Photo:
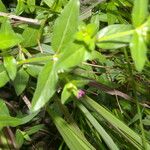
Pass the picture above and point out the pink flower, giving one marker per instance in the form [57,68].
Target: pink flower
[80,94]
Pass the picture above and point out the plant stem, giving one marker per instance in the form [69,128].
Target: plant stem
[24,19]
[136,100]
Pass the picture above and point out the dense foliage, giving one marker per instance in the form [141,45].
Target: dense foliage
[74,74]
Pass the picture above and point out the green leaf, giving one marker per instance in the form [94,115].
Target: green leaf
[31,36]
[65,95]
[108,140]
[111,10]
[31,5]
[49,3]
[34,129]
[65,26]
[20,7]
[46,86]
[114,36]
[21,81]
[86,34]
[97,55]
[138,50]
[4,140]
[8,38]
[3,76]
[129,134]
[95,19]
[34,70]
[13,121]
[19,138]
[68,89]
[2,7]
[72,56]
[139,12]
[146,121]
[11,66]
[69,133]
[3,109]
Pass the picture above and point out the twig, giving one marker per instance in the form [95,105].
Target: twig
[97,66]
[26,101]
[40,47]
[10,105]
[12,137]
[24,19]
[118,103]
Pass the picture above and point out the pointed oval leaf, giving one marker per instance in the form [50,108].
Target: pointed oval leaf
[2,7]
[49,3]
[11,66]
[34,129]
[34,70]
[3,108]
[21,81]
[114,36]
[8,38]
[72,56]
[20,7]
[67,92]
[139,12]
[66,25]
[31,36]
[138,50]
[65,95]
[31,5]
[3,76]
[46,86]
[19,138]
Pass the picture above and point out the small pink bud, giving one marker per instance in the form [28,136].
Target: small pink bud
[80,94]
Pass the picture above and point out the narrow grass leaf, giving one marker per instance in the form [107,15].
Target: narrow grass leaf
[107,139]
[72,139]
[135,139]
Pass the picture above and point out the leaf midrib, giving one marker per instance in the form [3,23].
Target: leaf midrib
[65,31]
